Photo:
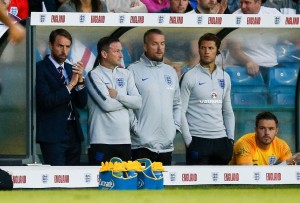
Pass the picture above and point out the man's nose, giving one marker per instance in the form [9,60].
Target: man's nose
[64,50]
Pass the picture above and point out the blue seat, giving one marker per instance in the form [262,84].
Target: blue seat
[249,99]
[282,85]
[287,52]
[241,81]
[286,76]
[291,65]
[282,99]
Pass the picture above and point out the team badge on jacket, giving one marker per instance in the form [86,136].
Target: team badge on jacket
[221,83]
[120,82]
[168,80]
[214,95]
[272,160]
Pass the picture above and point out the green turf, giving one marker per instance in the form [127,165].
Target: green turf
[211,194]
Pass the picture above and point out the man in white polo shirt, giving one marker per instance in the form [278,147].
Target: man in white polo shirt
[254,7]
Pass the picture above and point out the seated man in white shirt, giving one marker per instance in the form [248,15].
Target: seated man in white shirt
[251,50]
[254,7]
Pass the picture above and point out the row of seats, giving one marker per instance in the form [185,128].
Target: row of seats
[277,86]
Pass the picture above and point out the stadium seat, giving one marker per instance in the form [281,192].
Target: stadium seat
[282,85]
[282,99]
[248,99]
[283,76]
[287,52]
[291,65]
[241,81]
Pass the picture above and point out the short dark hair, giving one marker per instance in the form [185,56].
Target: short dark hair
[104,43]
[210,37]
[96,5]
[150,32]
[61,32]
[266,115]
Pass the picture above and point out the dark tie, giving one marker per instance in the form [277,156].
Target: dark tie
[61,75]
[63,79]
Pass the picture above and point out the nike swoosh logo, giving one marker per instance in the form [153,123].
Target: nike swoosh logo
[201,83]
[143,79]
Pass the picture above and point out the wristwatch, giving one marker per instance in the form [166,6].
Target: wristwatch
[82,82]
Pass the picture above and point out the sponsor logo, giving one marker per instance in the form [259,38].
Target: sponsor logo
[97,19]
[215,20]
[213,95]
[61,178]
[108,184]
[143,79]
[121,19]
[87,177]
[120,82]
[201,83]
[221,83]
[137,19]
[45,178]
[210,101]
[82,18]
[172,177]
[215,176]
[231,177]
[168,80]
[273,176]
[238,20]
[277,20]
[298,175]
[140,183]
[199,20]
[42,18]
[161,19]
[176,20]
[189,177]
[257,176]
[253,20]
[292,20]
[58,18]
[19,179]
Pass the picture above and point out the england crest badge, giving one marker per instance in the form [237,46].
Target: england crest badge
[120,82]
[168,80]
[221,83]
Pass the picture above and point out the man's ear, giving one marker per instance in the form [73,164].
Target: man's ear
[277,129]
[103,54]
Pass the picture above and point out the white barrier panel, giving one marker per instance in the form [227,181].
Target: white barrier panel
[88,176]
[164,20]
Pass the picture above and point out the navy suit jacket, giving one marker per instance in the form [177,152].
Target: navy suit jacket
[52,100]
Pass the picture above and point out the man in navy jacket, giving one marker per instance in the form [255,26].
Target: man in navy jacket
[60,90]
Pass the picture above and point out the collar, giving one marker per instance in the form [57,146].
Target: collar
[206,70]
[107,70]
[55,63]
[150,63]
